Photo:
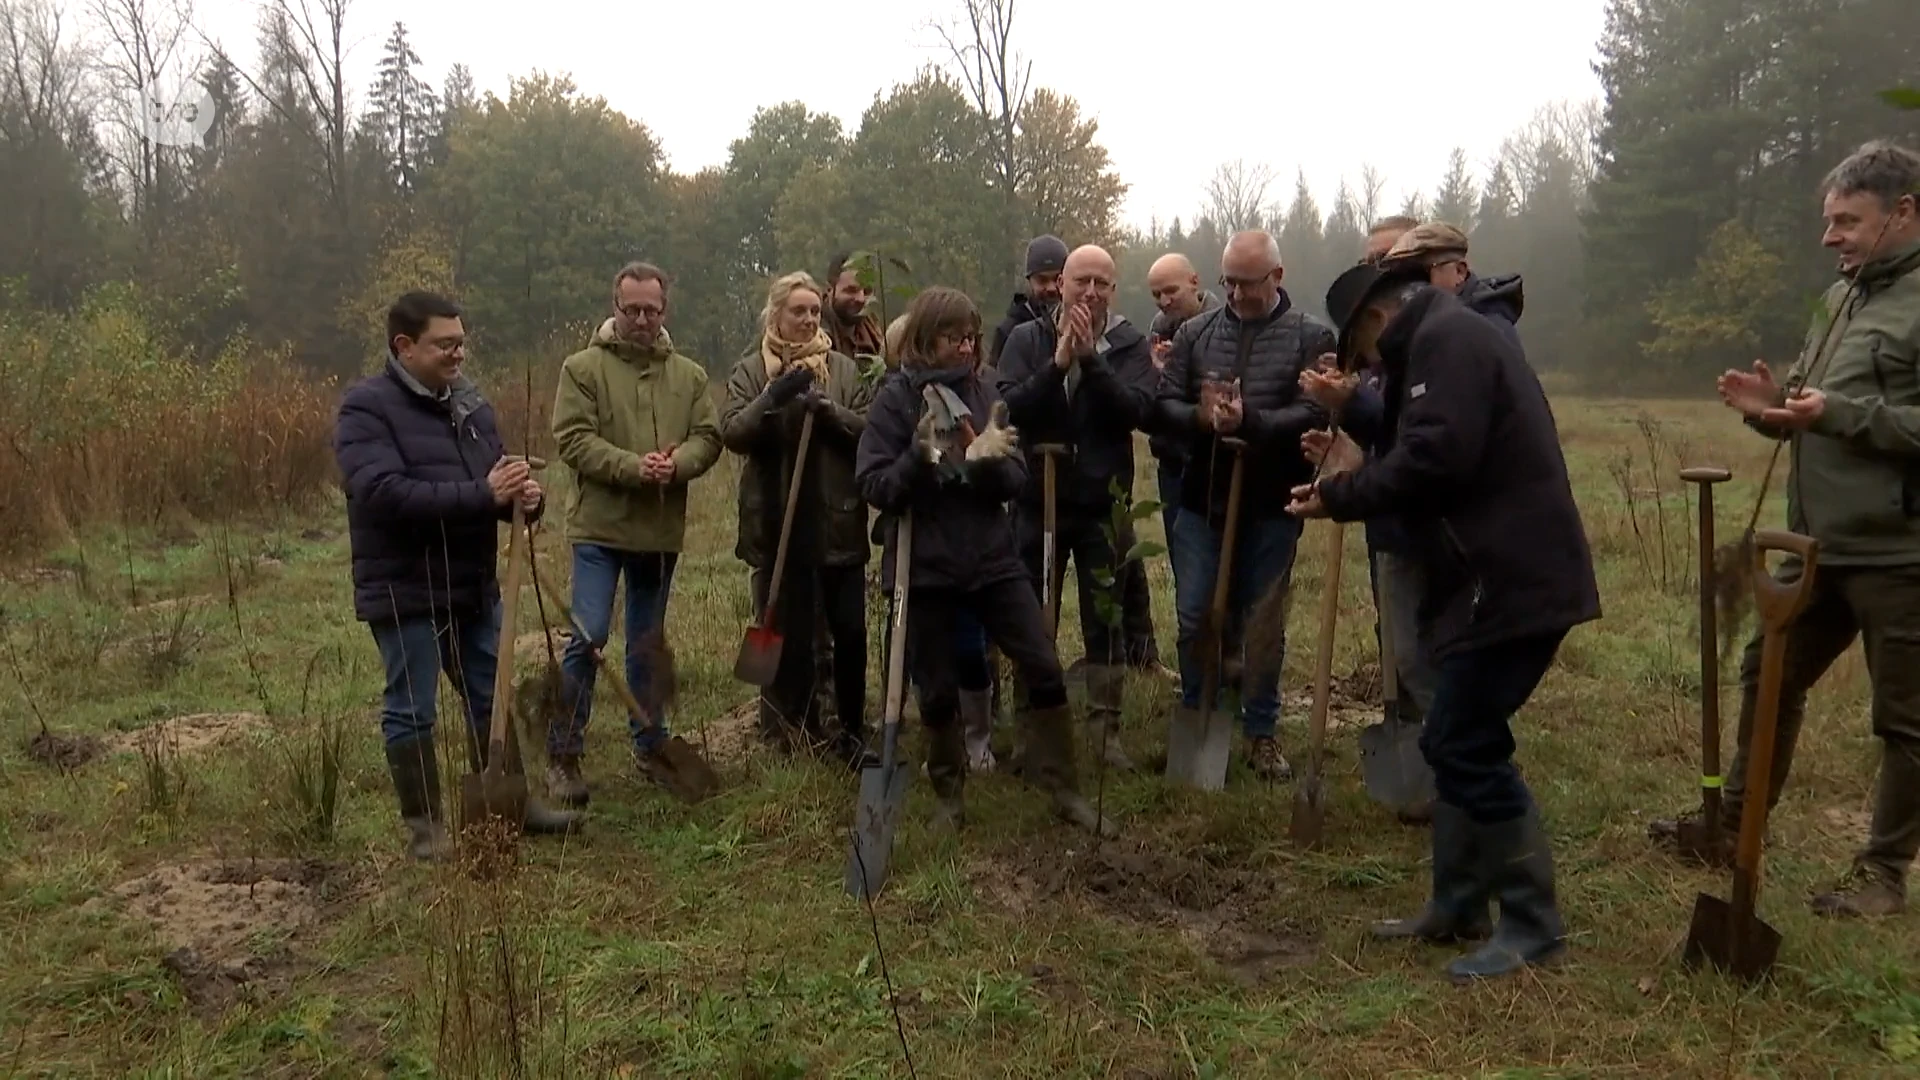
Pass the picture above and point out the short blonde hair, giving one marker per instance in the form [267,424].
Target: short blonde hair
[783,287]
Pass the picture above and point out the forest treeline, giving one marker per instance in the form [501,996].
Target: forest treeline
[1665,231]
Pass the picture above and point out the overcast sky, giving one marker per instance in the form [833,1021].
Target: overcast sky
[1176,87]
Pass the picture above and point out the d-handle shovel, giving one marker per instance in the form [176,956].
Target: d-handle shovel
[493,792]
[759,659]
[1310,798]
[883,783]
[1704,839]
[673,760]
[1727,934]
[1200,741]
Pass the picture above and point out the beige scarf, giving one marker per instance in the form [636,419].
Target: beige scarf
[777,353]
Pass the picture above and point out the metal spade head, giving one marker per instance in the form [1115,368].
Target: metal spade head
[1745,949]
[1309,811]
[1199,746]
[1395,771]
[883,799]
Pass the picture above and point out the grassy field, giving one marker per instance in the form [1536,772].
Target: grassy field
[203,875]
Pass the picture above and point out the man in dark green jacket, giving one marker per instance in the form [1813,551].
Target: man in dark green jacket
[1853,433]
[635,422]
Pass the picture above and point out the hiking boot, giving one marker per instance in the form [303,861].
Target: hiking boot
[1105,687]
[1266,760]
[416,784]
[1420,813]
[1513,860]
[976,722]
[1458,908]
[565,785]
[947,769]
[1665,832]
[540,819]
[1865,893]
[1049,765]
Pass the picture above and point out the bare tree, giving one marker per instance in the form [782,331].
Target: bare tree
[42,97]
[998,80]
[322,72]
[1373,187]
[145,42]
[1237,196]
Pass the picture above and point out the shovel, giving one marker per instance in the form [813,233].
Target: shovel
[1704,839]
[1310,798]
[883,783]
[1395,771]
[494,791]
[1200,740]
[1050,538]
[759,659]
[1727,934]
[673,761]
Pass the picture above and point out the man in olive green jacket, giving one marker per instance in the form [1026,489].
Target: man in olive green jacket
[634,421]
[1853,434]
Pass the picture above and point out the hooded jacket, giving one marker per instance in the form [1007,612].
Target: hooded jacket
[1474,468]
[1168,448]
[830,520]
[1020,310]
[1855,478]
[617,402]
[421,518]
[1112,393]
[1498,298]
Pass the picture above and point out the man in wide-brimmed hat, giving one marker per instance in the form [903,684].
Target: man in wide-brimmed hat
[1474,468]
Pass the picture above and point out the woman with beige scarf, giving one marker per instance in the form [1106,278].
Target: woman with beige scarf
[790,372]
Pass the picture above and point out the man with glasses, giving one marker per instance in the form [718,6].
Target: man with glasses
[1234,372]
[635,422]
[1082,379]
[1440,250]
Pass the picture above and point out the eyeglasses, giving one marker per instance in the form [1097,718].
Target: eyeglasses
[642,312]
[1230,282]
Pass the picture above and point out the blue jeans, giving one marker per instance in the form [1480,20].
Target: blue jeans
[1169,475]
[1468,735]
[415,651]
[596,574]
[1266,546]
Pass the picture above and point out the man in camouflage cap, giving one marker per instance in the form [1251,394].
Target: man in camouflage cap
[1441,250]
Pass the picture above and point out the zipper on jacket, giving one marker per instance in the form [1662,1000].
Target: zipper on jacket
[1473,575]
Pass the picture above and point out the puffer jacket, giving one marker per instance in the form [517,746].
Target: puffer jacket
[1269,354]
[1168,448]
[830,519]
[421,518]
[962,533]
[1112,396]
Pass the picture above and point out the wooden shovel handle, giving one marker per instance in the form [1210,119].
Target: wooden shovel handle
[786,521]
[1323,653]
[1779,604]
[1706,477]
[897,641]
[611,670]
[1222,578]
[503,665]
[1050,532]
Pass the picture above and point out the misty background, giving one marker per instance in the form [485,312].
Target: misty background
[1655,180]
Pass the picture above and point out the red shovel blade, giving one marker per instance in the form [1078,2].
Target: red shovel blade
[759,658]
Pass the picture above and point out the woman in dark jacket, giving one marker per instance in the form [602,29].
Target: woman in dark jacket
[792,373]
[921,452]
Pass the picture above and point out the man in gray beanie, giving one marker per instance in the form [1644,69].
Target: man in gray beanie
[1046,258]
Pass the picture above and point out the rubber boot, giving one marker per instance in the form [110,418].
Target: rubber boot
[416,782]
[976,718]
[541,819]
[1050,766]
[1516,863]
[1458,908]
[1105,692]
[947,770]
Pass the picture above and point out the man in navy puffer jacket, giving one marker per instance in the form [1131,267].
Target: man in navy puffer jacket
[427,484]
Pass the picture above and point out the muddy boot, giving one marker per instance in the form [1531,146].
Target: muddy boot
[1266,760]
[1050,768]
[416,782]
[1105,687]
[1458,909]
[976,719]
[1865,893]
[1665,832]
[1514,860]
[947,770]
[565,785]
[541,819]
[1876,887]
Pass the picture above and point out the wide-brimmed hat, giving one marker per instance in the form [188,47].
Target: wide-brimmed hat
[1352,291]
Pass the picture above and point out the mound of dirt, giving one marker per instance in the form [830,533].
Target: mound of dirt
[1219,910]
[226,922]
[188,734]
[731,738]
[63,752]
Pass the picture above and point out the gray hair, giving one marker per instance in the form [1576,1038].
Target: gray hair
[1269,247]
[1881,168]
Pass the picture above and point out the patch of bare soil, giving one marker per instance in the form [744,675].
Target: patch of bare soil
[42,575]
[188,734]
[64,752]
[1851,824]
[730,738]
[1223,911]
[228,924]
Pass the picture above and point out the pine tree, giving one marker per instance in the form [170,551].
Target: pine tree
[403,112]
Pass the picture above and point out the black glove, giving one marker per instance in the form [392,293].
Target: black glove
[789,384]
